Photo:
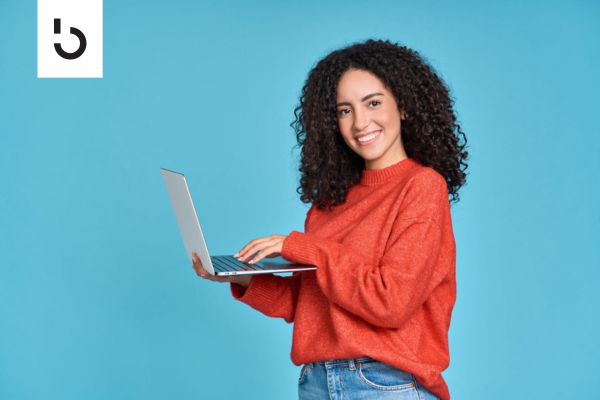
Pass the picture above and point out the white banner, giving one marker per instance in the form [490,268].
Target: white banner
[69,38]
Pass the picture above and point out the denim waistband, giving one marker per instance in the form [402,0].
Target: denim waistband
[351,362]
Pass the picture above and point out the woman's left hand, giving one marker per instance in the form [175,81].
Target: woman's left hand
[269,247]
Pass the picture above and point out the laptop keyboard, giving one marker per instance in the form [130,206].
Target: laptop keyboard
[230,263]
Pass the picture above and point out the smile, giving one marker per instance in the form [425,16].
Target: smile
[365,140]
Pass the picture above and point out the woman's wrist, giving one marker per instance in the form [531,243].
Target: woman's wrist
[245,283]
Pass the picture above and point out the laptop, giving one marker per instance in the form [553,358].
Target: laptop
[193,239]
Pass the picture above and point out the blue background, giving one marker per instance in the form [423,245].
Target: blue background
[97,297]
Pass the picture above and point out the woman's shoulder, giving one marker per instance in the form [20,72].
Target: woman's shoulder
[423,194]
[426,180]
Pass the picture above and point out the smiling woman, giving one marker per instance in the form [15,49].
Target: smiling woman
[380,156]
[339,101]
[370,125]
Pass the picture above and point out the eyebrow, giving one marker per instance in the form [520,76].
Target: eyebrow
[367,97]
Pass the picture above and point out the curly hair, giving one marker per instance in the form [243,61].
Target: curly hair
[430,133]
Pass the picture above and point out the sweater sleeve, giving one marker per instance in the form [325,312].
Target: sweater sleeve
[386,293]
[273,295]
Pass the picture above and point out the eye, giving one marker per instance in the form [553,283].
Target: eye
[341,112]
[375,101]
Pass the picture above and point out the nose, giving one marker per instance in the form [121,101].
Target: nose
[361,120]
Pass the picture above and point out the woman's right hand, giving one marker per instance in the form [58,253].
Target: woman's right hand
[242,280]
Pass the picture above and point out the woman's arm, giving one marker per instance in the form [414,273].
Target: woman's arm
[418,257]
[273,295]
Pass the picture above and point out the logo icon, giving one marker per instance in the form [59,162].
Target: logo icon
[74,31]
[69,37]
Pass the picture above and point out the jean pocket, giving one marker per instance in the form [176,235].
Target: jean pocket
[382,376]
[303,372]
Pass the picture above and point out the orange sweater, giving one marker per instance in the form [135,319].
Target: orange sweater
[385,285]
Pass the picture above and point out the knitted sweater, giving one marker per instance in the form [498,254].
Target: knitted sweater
[385,284]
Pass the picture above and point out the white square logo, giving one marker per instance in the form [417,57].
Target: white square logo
[69,38]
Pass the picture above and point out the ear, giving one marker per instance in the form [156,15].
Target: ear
[402,115]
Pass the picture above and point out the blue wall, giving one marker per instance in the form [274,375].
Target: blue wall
[97,297]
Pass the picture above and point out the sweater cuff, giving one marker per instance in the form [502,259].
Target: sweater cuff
[300,248]
[261,293]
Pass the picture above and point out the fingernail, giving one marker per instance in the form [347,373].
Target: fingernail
[251,262]
[236,254]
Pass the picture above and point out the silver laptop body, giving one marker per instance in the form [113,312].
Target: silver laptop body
[193,239]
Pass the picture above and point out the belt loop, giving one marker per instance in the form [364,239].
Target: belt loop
[351,362]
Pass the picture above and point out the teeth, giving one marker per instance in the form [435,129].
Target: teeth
[369,137]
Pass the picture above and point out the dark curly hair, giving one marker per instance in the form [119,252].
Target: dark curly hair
[430,133]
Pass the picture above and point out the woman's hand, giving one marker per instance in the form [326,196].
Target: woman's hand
[269,247]
[243,280]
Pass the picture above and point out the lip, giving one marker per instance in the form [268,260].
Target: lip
[369,141]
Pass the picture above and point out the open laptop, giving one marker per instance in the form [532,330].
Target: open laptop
[193,239]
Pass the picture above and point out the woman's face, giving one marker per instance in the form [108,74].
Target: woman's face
[366,109]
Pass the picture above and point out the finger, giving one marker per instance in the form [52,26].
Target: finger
[196,260]
[251,254]
[197,266]
[206,275]
[246,248]
[216,278]
[254,250]
[200,271]
[275,246]
[263,254]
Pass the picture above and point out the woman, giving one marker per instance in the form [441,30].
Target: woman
[380,155]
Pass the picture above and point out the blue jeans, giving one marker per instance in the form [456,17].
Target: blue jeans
[358,378]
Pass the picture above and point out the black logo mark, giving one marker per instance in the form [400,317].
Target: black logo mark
[76,32]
